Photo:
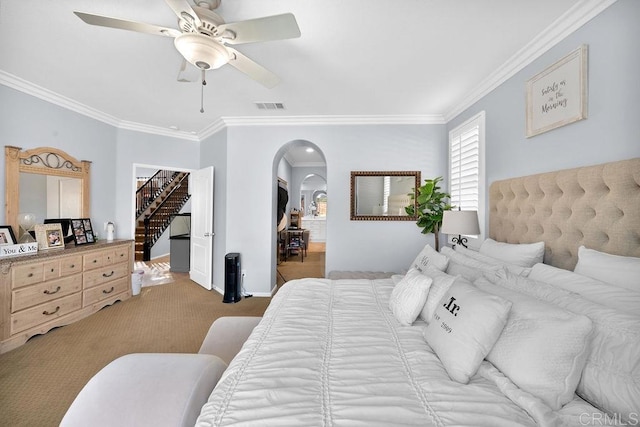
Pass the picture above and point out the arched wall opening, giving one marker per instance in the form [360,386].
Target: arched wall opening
[291,169]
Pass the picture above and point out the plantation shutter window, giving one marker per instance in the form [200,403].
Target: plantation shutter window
[466,168]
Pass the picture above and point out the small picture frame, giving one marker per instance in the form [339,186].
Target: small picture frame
[82,231]
[6,235]
[49,236]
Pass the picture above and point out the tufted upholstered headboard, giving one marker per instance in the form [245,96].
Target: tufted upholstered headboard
[595,206]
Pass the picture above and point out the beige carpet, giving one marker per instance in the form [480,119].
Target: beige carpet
[39,380]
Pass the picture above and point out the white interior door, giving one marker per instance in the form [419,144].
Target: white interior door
[201,268]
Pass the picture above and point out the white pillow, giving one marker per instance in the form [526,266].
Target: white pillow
[516,269]
[522,254]
[408,296]
[611,377]
[441,284]
[543,348]
[465,327]
[429,257]
[594,290]
[623,271]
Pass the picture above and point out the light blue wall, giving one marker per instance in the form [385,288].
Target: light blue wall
[359,245]
[29,122]
[611,131]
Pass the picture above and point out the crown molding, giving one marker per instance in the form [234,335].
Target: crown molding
[335,120]
[156,130]
[47,95]
[51,97]
[567,23]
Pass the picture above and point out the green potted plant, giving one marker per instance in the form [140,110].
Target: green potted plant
[431,205]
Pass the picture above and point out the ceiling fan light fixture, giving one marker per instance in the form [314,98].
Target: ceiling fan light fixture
[202,51]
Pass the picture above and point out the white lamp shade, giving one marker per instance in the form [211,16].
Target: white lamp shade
[202,51]
[461,223]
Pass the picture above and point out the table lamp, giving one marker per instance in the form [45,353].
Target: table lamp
[460,223]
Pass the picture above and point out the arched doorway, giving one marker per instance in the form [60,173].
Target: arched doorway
[300,167]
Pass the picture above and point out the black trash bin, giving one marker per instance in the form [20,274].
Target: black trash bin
[232,278]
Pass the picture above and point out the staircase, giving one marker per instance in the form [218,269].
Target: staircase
[157,200]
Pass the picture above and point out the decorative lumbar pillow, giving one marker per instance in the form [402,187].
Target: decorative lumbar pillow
[467,267]
[429,257]
[543,348]
[611,376]
[618,270]
[522,254]
[592,289]
[486,259]
[465,327]
[441,284]
[408,296]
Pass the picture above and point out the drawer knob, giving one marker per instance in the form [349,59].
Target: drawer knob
[73,266]
[30,275]
[95,260]
[52,270]
[109,291]
[49,313]
[48,292]
[108,275]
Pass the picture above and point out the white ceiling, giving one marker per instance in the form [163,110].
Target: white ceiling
[403,61]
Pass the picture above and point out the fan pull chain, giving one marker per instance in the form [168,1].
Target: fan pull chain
[204,83]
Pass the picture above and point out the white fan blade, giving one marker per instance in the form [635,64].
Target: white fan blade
[188,73]
[277,27]
[140,27]
[184,11]
[252,69]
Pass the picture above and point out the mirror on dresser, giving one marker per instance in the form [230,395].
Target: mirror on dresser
[383,195]
[47,182]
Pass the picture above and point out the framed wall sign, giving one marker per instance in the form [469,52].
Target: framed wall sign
[82,231]
[557,96]
[49,236]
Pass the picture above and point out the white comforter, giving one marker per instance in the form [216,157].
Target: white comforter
[330,353]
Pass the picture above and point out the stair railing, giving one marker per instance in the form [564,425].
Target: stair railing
[158,220]
[152,188]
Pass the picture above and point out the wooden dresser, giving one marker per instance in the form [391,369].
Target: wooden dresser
[56,287]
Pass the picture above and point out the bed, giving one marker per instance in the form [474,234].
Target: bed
[488,338]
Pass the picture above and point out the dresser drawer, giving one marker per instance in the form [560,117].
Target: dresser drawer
[93,260]
[105,290]
[71,265]
[51,269]
[29,274]
[40,314]
[105,274]
[118,255]
[44,292]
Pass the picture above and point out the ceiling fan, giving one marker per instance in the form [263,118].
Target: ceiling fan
[203,37]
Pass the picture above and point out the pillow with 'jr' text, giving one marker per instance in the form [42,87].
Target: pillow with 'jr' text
[465,327]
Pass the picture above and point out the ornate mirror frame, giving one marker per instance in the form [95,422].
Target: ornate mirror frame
[43,161]
[415,176]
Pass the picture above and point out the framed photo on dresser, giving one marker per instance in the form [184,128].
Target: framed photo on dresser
[6,235]
[49,236]
[82,231]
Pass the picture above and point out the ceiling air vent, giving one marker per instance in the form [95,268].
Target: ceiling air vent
[270,105]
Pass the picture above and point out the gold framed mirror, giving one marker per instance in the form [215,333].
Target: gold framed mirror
[383,195]
[46,163]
